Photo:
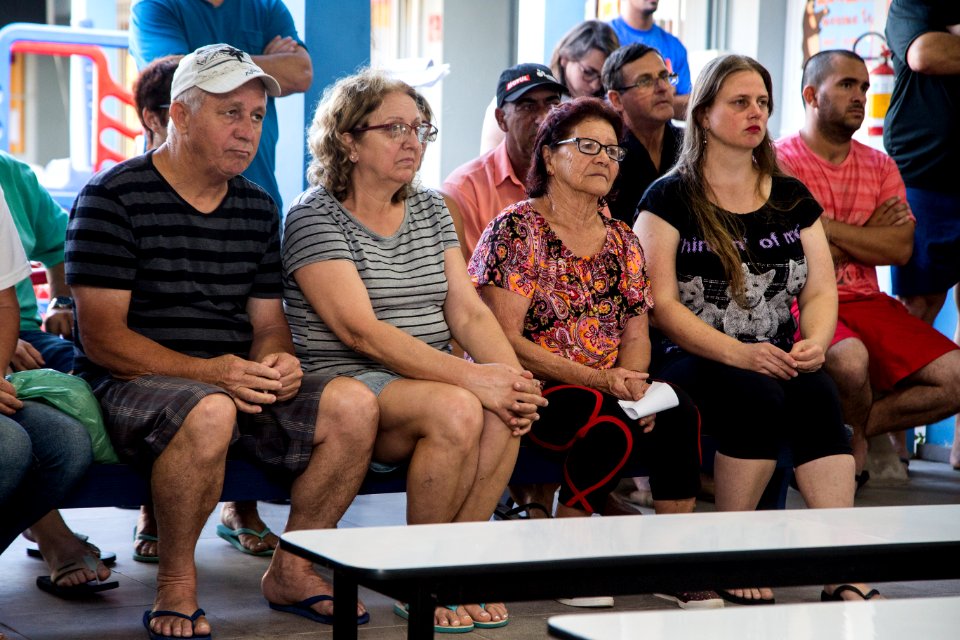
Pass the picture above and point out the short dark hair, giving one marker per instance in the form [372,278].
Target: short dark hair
[151,89]
[556,126]
[612,73]
[819,66]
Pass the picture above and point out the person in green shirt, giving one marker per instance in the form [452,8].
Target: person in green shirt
[41,224]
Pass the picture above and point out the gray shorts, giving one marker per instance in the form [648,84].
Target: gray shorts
[144,414]
[376,381]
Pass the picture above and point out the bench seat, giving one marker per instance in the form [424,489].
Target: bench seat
[112,485]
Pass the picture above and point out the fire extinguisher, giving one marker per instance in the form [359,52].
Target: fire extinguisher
[881,86]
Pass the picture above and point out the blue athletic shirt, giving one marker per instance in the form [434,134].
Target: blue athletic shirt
[165,27]
[669,46]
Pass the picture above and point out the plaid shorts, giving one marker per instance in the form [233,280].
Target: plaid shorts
[144,414]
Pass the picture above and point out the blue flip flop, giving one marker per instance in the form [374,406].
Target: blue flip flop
[149,538]
[150,615]
[403,610]
[303,608]
[233,537]
[490,625]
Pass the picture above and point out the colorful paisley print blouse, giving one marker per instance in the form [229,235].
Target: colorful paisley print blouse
[578,306]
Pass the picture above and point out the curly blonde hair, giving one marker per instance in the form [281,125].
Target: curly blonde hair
[345,106]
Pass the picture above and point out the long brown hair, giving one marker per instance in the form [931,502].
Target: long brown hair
[721,232]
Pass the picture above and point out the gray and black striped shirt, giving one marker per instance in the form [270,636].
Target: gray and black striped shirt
[189,274]
[403,274]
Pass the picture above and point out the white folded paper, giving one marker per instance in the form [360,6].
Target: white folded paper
[659,397]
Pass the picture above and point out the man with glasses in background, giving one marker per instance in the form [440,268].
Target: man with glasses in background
[635,24]
[641,89]
[481,188]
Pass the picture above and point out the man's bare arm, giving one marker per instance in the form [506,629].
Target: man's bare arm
[887,238]
[936,53]
[126,354]
[289,63]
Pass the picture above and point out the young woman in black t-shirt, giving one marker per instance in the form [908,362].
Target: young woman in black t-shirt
[730,242]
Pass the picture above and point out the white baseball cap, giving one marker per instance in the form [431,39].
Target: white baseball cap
[219,68]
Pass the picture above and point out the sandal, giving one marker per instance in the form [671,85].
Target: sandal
[403,610]
[519,512]
[51,584]
[233,537]
[137,536]
[150,615]
[836,597]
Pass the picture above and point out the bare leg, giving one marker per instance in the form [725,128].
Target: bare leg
[59,546]
[825,483]
[955,449]
[847,362]
[146,525]
[929,395]
[343,441]
[186,483]
[739,484]
[925,307]
[498,456]
[437,427]
[538,493]
[675,506]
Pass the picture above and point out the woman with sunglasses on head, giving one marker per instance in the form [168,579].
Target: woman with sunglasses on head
[569,287]
[376,287]
[731,242]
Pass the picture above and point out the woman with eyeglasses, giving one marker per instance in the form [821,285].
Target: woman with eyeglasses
[731,242]
[578,57]
[577,61]
[569,287]
[376,287]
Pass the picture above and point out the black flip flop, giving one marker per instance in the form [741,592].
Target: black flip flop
[836,597]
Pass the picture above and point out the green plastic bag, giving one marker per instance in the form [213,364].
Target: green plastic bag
[71,395]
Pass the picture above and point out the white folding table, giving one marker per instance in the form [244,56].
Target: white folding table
[569,557]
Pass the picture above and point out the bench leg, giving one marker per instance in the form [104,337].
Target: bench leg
[345,611]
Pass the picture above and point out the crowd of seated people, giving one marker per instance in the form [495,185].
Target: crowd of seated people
[319,343]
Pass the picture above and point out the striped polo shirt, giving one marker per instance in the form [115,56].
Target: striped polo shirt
[403,274]
[190,274]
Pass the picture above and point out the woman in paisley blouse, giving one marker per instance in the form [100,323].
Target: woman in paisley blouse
[570,289]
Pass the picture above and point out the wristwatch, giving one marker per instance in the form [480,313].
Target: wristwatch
[61,302]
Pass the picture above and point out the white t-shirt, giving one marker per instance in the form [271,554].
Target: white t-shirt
[14,266]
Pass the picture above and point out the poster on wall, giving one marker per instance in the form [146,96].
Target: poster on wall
[836,24]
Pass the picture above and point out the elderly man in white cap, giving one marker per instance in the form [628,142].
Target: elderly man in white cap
[175,267]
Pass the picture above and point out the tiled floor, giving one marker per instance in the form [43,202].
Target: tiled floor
[229,581]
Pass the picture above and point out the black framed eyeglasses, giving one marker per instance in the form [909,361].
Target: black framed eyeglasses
[591,147]
[424,131]
[589,73]
[647,82]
